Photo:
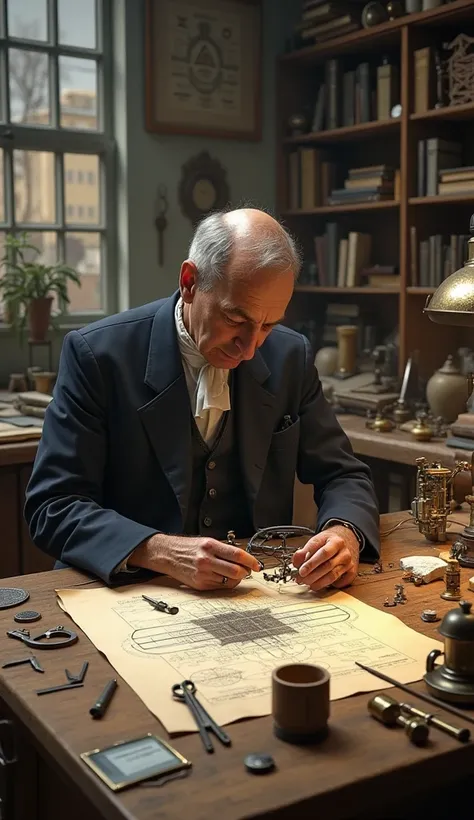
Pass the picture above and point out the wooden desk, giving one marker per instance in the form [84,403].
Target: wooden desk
[396,452]
[363,769]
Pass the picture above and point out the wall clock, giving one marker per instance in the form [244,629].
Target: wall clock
[203,187]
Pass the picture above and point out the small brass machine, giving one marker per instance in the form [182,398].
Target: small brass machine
[434,499]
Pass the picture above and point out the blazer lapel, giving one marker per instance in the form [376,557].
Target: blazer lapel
[166,417]
[254,421]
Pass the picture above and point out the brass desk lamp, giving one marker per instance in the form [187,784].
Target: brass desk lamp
[452,303]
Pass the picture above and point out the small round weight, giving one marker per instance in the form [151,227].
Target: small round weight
[27,616]
[259,763]
[12,596]
[429,615]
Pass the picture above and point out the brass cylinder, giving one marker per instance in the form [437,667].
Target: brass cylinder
[347,348]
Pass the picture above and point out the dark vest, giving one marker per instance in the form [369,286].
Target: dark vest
[217,501]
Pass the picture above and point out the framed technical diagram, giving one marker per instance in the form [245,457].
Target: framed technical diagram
[203,68]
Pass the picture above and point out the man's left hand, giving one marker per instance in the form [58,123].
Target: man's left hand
[329,558]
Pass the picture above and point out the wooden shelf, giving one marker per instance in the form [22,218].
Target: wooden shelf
[415,291]
[442,200]
[393,143]
[364,130]
[359,290]
[349,208]
[449,112]
[386,33]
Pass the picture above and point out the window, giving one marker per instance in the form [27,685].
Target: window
[56,146]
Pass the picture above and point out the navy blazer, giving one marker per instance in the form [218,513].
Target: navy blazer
[114,462]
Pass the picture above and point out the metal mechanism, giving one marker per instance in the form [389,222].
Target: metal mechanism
[421,695]
[68,637]
[186,693]
[282,552]
[430,616]
[398,598]
[452,580]
[388,711]
[461,734]
[463,547]
[434,498]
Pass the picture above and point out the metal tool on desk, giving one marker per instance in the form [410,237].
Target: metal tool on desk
[427,698]
[73,681]
[161,606]
[186,693]
[69,637]
[31,660]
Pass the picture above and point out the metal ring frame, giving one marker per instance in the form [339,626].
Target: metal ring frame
[281,552]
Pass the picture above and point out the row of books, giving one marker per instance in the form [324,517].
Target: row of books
[361,94]
[435,257]
[441,170]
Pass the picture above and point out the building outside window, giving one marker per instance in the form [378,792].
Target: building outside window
[56,140]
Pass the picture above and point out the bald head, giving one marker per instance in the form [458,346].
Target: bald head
[241,243]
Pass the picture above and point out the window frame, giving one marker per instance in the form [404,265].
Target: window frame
[60,141]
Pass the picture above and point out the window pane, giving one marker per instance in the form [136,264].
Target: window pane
[2,190]
[77,23]
[81,188]
[2,251]
[78,98]
[84,255]
[35,193]
[29,86]
[27,19]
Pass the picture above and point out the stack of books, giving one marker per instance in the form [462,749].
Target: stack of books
[371,184]
[456,181]
[325,19]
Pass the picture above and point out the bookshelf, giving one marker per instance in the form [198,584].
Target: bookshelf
[399,226]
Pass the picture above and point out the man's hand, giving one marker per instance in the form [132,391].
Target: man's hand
[329,558]
[200,563]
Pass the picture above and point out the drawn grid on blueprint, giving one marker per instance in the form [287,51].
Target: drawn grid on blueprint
[211,641]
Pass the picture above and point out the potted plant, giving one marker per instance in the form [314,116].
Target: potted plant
[28,287]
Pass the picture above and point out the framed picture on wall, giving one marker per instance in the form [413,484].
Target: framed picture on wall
[203,68]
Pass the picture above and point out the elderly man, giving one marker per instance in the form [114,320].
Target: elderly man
[175,422]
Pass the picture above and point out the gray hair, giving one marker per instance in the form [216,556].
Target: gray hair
[214,241]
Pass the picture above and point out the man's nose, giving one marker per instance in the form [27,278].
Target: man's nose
[248,343]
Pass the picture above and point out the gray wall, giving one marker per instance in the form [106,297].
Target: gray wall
[146,160]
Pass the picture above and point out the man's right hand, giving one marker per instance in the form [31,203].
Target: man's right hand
[201,563]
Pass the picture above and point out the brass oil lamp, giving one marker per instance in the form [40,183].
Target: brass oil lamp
[454,679]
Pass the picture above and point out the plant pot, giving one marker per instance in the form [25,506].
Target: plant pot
[39,317]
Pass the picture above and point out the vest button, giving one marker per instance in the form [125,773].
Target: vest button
[207,521]
[212,492]
[211,465]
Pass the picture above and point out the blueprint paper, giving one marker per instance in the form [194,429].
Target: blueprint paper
[228,642]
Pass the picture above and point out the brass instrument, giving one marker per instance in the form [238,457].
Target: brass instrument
[434,498]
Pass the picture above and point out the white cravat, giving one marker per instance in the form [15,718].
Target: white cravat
[208,386]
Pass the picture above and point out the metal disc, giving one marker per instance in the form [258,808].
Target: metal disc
[259,763]
[11,596]
[27,616]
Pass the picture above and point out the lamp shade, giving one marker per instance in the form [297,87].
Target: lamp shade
[452,303]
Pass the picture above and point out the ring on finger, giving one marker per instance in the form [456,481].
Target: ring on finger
[224,579]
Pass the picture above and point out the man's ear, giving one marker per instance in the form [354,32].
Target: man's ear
[188,281]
